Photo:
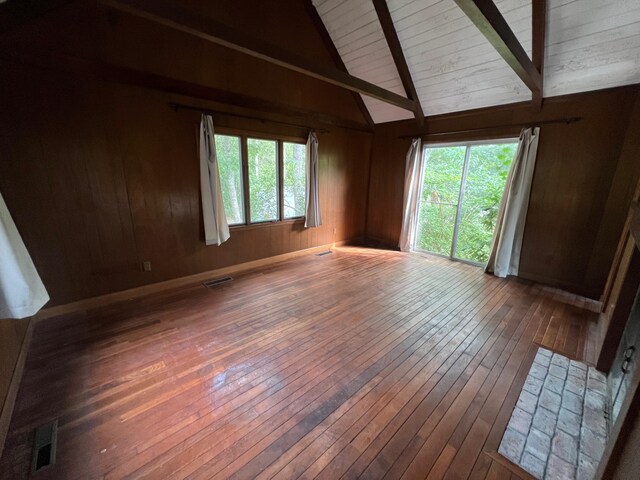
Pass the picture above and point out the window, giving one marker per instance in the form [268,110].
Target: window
[462,189]
[295,178]
[230,168]
[262,180]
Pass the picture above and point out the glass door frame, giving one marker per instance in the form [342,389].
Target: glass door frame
[463,178]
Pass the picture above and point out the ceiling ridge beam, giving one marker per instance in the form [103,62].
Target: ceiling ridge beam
[487,18]
[538,35]
[335,56]
[181,19]
[390,34]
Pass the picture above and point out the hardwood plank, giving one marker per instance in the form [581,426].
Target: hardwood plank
[362,363]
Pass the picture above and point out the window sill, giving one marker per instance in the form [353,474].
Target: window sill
[275,223]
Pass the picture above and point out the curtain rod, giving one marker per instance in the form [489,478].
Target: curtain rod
[180,106]
[566,121]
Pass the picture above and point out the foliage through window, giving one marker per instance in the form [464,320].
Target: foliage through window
[265,184]
[263,179]
[461,192]
[295,178]
[230,168]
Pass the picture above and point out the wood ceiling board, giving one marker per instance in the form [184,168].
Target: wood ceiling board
[591,44]
[357,34]
[453,66]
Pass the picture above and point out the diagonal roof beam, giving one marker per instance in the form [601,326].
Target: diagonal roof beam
[398,56]
[486,16]
[183,20]
[538,32]
[335,56]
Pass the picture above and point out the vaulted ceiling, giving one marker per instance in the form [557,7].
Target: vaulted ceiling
[589,45]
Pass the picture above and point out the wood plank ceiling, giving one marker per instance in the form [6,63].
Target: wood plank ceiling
[590,45]
[357,34]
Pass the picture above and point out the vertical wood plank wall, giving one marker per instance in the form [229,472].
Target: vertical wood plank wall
[12,336]
[572,192]
[100,178]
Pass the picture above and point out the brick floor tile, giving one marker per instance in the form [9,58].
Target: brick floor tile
[545,352]
[575,384]
[538,371]
[533,385]
[586,468]
[527,401]
[543,360]
[560,360]
[538,444]
[554,384]
[565,446]
[558,371]
[550,401]
[533,465]
[572,402]
[595,400]
[520,421]
[558,469]
[591,444]
[545,420]
[512,445]
[569,422]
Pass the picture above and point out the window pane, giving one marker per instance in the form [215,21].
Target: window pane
[263,179]
[230,168]
[295,177]
[486,176]
[439,201]
[488,169]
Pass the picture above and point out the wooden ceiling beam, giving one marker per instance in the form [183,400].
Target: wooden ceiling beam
[538,35]
[335,56]
[106,72]
[393,41]
[183,20]
[486,16]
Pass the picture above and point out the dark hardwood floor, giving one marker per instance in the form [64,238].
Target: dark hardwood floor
[363,363]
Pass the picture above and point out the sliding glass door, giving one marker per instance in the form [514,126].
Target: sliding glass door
[462,187]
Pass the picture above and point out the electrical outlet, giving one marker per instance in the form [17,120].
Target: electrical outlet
[146,266]
[334,230]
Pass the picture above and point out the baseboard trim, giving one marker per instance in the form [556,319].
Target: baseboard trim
[14,385]
[137,292]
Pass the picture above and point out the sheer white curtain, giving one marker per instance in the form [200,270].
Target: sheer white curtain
[22,293]
[313,216]
[412,175]
[216,229]
[504,258]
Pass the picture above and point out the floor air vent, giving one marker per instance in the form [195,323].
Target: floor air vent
[216,282]
[322,254]
[44,446]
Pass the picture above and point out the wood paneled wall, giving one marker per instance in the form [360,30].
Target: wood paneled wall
[577,187]
[12,336]
[100,177]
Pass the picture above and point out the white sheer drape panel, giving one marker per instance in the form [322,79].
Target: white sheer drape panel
[313,216]
[413,173]
[216,228]
[22,293]
[504,258]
